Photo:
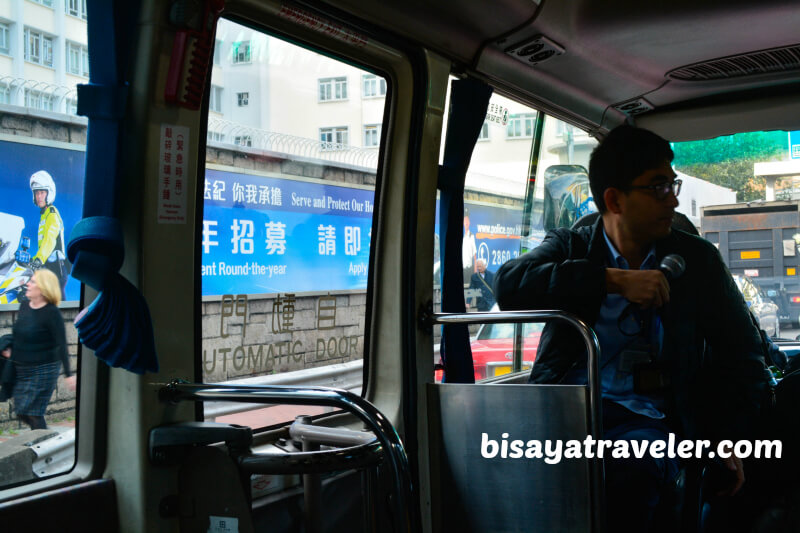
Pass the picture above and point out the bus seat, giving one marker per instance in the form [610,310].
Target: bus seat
[89,507]
[476,489]
[210,493]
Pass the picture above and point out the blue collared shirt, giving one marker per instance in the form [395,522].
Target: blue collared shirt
[616,384]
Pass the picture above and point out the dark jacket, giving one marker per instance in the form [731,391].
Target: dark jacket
[715,393]
[486,300]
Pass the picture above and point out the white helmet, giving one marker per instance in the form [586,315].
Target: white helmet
[11,227]
[41,180]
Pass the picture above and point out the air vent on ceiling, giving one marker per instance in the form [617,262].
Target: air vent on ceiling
[634,107]
[750,64]
[534,50]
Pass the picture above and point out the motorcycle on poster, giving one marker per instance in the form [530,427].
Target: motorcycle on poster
[34,231]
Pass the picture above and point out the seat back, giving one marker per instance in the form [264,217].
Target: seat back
[476,489]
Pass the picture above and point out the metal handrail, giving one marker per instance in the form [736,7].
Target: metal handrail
[593,377]
[368,413]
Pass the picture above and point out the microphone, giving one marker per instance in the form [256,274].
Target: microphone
[672,266]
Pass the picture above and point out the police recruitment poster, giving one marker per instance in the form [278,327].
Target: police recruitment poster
[270,235]
[495,231]
[59,168]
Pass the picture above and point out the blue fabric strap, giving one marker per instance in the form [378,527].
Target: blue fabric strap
[117,324]
[468,102]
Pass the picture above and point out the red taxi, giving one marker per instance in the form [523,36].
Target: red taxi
[493,349]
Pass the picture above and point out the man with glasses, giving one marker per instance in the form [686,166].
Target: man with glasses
[655,371]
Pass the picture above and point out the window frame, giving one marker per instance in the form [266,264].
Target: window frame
[79,9]
[41,97]
[340,137]
[44,44]
[243,99]
[245,141]
[524,120]
[483,135]
[5,38]
[374,81]
[246,57]
[81,56]
[332,86]
[215,98]
[371,130]
[390,66]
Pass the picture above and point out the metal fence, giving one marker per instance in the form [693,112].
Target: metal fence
[39,95]
[233,133]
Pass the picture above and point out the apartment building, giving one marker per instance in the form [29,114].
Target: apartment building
[43,53]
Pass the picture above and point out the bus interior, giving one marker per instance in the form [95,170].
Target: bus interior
[261,206]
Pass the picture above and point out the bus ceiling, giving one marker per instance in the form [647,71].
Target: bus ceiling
[600,64]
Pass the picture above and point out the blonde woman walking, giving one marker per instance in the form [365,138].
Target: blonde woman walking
[40,349]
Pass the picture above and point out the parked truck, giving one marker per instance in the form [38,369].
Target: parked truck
[761,240]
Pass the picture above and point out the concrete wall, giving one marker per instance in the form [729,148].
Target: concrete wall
[275,334]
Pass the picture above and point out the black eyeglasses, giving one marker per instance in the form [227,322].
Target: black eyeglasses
[662,190]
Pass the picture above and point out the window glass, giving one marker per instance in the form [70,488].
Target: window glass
[215,99]
[4,38]
[332,89]
[494,197]
[734,189]
[287,220]
[38,146]
[38,47]
[241,52]
[76,8]
[372,135]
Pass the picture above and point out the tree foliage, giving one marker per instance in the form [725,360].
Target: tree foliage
[728,160]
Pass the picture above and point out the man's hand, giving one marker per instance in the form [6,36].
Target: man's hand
[647,288]
[734,464]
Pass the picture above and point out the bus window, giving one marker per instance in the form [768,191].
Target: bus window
[736,191]
[292,152]
[43,56]
[506,214]
[494,196]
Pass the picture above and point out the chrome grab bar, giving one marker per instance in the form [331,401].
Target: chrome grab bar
[368,413]
[593,377]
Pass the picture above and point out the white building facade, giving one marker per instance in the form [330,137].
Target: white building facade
[43,53]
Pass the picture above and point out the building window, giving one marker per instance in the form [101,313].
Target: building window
[4,40]
[217,52]
[48,3]
[243,140]
[5,94]
[241,52]
[333,138]
[72,106]
[374,86]
[215,99]
[216,136]
[76,8]
[694,207]
[520,126]
[243,99]
[484,134]
[332,89]
[38,48]
[38,100]
[372,135]
[77,59]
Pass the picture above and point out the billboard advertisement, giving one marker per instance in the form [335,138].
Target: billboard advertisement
[20,217]
[272,235]
[491,232]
